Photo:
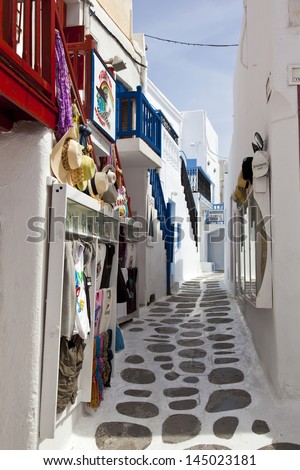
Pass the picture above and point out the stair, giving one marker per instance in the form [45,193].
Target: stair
[189,200]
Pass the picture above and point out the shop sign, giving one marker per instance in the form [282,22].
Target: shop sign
[215,216]
[260,164]
[103,95]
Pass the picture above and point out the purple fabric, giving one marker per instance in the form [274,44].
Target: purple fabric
[63,92]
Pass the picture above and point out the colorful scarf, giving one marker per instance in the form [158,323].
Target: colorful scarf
[63,93]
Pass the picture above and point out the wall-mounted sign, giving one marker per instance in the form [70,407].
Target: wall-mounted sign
[294,74]
[103,107]
[215,216]
[260,164]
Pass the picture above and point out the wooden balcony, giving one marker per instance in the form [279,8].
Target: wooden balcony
[27,62]
[80,47]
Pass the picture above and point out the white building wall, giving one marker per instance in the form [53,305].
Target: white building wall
[156,259]
[110,39]
[186,258]
[269,43]
[212,162]
[199,141]
[137,184]
[193,136]
[25,165]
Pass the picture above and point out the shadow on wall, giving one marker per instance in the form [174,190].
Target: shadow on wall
[215,248]
[177,277]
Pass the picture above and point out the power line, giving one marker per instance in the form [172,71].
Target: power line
[190,43]
[94,15]
[216,154]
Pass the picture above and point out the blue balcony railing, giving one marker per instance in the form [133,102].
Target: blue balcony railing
[164,215]
[200,182]
[137,118]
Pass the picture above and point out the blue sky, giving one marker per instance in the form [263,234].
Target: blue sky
[193,77]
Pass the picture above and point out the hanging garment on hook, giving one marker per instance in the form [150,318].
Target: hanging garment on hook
[106,310]
[110,251]
[70,365]
[82,324]
[101,254]
[131,286]
[69,293]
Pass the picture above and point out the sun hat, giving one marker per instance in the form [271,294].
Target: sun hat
[111,173]
[88,170]
[97,185]
[111,194]
[247,169]
[241,190]
[66,158]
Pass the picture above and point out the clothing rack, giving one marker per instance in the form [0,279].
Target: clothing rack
[66,201]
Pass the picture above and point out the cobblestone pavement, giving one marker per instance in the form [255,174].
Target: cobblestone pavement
[189,378]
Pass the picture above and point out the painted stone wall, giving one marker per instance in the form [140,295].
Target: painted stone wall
[264,102]
[25,165]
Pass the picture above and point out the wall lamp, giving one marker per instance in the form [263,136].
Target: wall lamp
[117,63]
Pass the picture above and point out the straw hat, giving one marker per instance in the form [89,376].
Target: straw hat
[66,158]
[88,170]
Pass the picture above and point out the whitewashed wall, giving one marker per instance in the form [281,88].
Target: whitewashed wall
[193,139]
[111,39]
[270,41]
[25,165]
[156,258]
[186,257]
[199,141]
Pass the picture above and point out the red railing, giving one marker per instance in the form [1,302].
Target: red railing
[27,57]
[80,53]
[73,73]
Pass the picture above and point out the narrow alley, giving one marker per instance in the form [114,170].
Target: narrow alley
[194,382]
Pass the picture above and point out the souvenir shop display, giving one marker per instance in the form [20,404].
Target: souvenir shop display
[85,280]
[127,292]
[81,302]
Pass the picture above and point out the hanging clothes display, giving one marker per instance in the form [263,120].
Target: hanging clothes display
[82,324]
[63,91]
[97,383]
[131,286]
[101,254]
[102,368]
[120,345]
[98,309]
[122,306]
[122,248]
[75,322]
[88,255]
[122,292]
[70,365]
[69,293]
[130,261]
[110,251]
[106,310]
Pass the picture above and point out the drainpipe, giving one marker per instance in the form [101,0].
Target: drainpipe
[243,36]
[86,5]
